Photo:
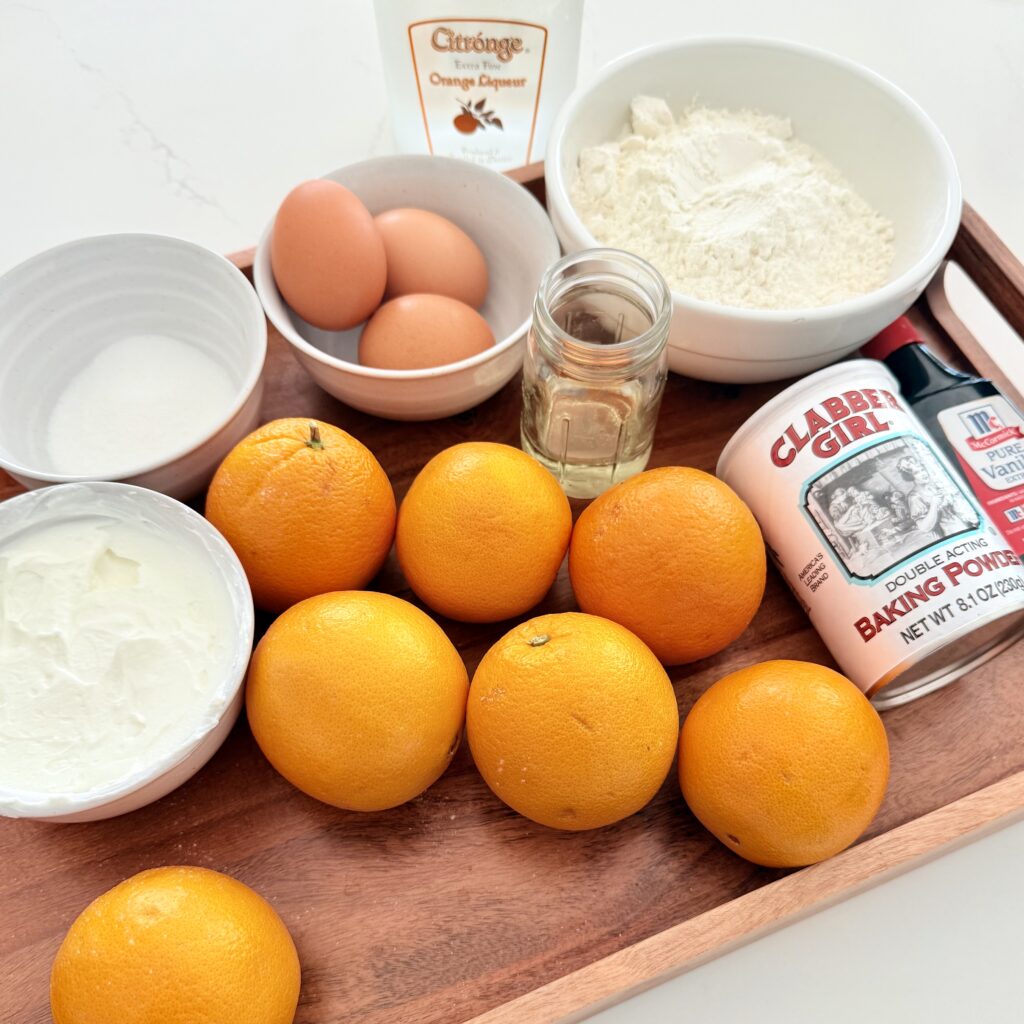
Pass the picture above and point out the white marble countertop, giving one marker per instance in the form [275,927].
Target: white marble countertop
[195,118]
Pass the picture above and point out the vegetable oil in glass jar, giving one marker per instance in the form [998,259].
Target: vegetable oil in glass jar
[595,368]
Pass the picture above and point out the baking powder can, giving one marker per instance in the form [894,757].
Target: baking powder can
[902,573]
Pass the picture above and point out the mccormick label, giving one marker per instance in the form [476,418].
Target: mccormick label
[987,435]
[880,540]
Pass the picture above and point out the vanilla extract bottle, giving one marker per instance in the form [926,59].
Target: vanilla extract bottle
[979,430]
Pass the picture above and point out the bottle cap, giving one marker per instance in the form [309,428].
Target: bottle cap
[899,333]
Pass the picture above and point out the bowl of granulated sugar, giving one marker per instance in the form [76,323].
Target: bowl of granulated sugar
[795,201]
[134,358]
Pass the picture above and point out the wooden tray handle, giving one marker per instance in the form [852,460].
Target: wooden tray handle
[998,275]
[990,264]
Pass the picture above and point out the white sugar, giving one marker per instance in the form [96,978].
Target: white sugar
[140,400]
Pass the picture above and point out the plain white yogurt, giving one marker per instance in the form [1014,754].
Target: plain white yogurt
[114,640]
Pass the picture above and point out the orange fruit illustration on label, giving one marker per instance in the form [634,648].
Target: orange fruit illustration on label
[572,721]
[786,762]
[307,509]
[475,117]
[176,945]
[674,555]
[482,532]
[358,699]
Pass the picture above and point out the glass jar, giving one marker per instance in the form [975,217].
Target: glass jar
[595,368]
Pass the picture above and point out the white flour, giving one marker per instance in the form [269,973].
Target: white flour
[732,209]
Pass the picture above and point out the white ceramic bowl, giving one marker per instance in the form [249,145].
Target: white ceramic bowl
[60,308]
[875,134]
[518,242]
[187,530]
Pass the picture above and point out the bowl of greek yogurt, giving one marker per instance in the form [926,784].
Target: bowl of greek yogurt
[796,202]
[127,357]
[126,625]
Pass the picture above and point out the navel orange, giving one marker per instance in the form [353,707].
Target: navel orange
[176,945]
[357,698]
[675,556]
[307,509]
[786,762]
[572,721]
[482,532]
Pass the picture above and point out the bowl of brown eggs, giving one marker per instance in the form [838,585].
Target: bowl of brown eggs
[405,284]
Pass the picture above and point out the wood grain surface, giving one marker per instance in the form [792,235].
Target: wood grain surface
[452,905]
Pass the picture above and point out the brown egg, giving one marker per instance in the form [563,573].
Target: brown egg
[413,332]
[327,256]
[427,253]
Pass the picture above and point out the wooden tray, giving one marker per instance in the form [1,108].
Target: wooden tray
[453,908]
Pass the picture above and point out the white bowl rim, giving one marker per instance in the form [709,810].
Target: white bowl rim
[32,804]
[245,389]
[848,307]
[838,351]
[264,281]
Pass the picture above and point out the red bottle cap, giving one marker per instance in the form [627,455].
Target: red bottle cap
[899,333]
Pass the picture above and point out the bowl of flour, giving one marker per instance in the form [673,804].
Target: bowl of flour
[795,202]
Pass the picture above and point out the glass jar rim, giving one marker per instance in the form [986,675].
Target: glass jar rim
[635,270]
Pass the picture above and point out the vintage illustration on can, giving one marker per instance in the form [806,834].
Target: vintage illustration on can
[885,504]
